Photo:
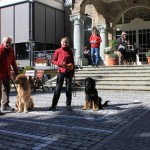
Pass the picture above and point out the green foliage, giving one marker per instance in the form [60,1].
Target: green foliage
[108,50]
[148,54]
[114,44]
[28,68]
[112,55]
[20,70]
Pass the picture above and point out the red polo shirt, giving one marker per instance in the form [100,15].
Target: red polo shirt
[97,40]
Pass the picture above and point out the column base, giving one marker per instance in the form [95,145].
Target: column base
[82,62]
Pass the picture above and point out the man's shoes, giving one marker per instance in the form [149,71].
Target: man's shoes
[7,108]
[69,108]
[97,66]
[52,108]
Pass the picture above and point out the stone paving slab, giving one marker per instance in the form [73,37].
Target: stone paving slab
[78,129]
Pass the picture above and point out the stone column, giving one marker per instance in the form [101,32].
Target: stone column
[78,38]
[103,34]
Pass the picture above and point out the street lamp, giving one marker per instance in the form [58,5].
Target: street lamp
[30,44]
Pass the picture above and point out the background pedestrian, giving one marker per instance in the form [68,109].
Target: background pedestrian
[95,41]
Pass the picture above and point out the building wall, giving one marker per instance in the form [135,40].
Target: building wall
[46,25]
[50,27]
[32,25]
[58,4]
[97,19]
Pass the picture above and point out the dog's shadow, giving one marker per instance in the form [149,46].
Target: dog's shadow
[122,106]
[39,109]
[75,108]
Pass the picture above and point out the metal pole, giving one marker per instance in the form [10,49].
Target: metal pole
[31,33]
[30,52]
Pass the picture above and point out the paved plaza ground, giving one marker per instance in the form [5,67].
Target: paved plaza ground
[123,125]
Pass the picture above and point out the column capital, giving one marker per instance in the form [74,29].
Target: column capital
[79,17]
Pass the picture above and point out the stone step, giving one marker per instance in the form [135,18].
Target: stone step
[115,77]
[115,87]
[114,70]
[117,67]
[102,75]
[125,82]
[130,88]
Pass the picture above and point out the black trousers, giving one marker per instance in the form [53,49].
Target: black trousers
[88,57]
[60,80]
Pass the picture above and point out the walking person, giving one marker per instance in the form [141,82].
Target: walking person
[63,58]
[95,40]
[7,60]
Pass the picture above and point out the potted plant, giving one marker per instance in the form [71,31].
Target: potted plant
[113,59]
[28,68]
[40,62]
[148,56]
[107,52]
[114,44]
[113,55]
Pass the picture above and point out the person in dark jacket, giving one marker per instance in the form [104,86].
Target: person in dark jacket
[87,55]
[63,58]
[122,44]
[7,61]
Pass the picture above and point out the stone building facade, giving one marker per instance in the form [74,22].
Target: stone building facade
[112,17]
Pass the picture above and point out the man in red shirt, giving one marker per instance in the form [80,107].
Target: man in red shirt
[95,41]
[7,59]
[63,58]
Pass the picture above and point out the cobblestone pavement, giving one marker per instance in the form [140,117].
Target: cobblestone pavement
[123,125]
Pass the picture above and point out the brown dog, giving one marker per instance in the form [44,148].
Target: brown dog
[24,101]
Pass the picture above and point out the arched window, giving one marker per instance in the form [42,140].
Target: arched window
[138,12]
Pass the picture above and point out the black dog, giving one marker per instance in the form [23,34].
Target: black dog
[91,96]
